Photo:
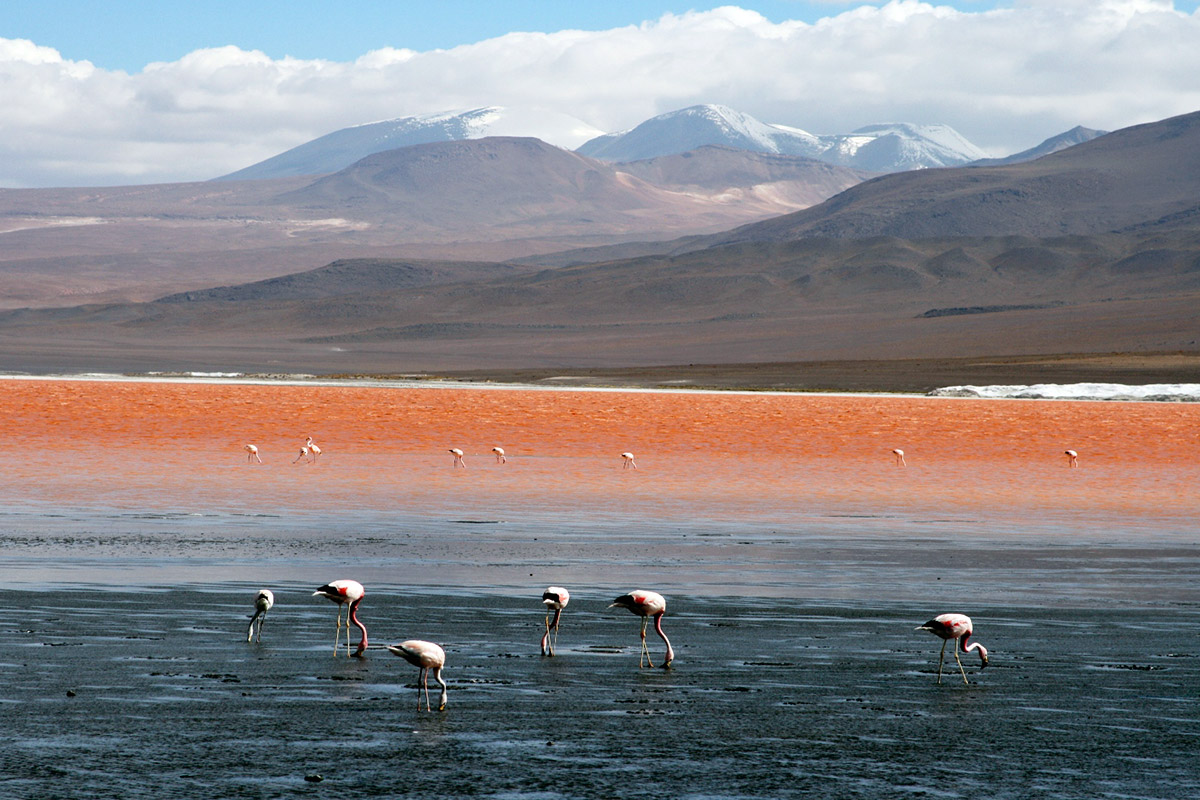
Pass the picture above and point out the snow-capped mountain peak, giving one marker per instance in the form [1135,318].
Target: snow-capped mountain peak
[340,149]
[886,147]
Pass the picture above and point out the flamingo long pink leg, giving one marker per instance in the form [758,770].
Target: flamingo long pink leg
[645,649]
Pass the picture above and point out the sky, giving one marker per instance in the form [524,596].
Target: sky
[134,91]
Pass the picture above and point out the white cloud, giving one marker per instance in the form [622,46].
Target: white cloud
[1005,78]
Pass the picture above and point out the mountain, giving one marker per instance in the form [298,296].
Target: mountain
[495,198]
[1145,177]
[340,149]
[510,187]
[876,148]
[1092,250]
[1077,135]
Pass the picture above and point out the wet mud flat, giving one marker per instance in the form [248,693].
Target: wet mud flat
[154,692]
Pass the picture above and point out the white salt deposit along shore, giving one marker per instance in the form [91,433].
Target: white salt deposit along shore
[1160,392]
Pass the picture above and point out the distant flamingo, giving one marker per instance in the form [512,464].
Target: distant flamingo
[458,458]
[555,597]
[1072,458]
[899,454]
[303,454]
[313,450]
[629,462]
[252,454]
[262,604]
[427,656]
[955,626]
[645,605]
[345,592]
[499,451]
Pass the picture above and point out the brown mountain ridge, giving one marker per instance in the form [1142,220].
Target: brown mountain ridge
[1094,249]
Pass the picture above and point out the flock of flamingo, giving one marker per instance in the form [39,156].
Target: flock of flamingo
[430,657]
[309,452]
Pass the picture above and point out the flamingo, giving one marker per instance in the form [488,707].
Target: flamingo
[343,592]
[899,454]
[427,656]
[458,458]
[252,454]
[555,597]
[313,450]
[1072,458]
[262,604]
[303,454]
[629,462]
[645,605]
[955,626]
[499,451]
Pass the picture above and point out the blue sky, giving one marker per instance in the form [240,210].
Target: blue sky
[128,34]
[134,91]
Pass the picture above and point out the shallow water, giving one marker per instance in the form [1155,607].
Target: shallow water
[796,558]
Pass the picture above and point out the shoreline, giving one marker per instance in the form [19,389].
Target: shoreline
[1186,393]
[903,376]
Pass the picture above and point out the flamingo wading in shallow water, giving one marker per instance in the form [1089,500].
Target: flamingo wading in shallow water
[500,457]
[346,593]
[556,598]
[1072,458]
[629,462]
[262,604]
[252,454]
[899,454]
[313,450]
[950,627]
[646,605]
[458,458]
[427,656]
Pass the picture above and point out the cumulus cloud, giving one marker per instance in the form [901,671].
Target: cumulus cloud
[1005,78]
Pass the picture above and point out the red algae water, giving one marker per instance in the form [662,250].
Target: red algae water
[179,447]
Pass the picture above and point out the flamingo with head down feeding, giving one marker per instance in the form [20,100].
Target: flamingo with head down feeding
[350,594]
[500,457]
[427,656]
[646,605]
[556,598]
[262,604]
[950,627]
[252,454]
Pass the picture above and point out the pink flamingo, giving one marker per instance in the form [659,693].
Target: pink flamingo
[345,592]
[899,454]
[303,454]
[458,458]
[262,604]
[955,626]
[555,597]
[251,454]
[645,605]
[427,656]
[629,462]
[1072,458]
[499,451]
[313,450]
